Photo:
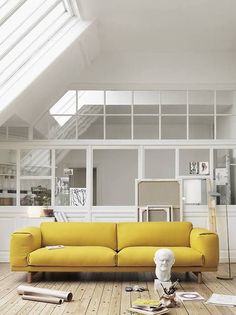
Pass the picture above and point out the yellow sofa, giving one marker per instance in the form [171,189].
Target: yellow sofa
[110,247]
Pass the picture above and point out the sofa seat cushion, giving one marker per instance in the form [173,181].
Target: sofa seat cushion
[73,256]
[143,256]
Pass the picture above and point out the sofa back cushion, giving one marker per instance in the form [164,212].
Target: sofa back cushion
[79,234]
[153,234]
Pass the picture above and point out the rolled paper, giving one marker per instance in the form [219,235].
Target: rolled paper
[46,299]
[30,290]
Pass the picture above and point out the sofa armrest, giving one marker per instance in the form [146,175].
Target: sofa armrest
[207,243]
[22,243]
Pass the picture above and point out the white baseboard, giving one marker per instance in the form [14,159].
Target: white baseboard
[4,256]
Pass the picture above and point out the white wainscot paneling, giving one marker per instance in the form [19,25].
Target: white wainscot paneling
[12,219]
[222,231]
[78,217]
[198,215]
[114,214]
[113,217]
[7,226]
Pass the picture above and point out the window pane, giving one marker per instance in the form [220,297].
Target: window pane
[225,102]
[3,133]
[118,127]
[36,162]
[62,127]
[90,127]
[116,174]
[117,109]
[118,97]
[225,127]
[201,97]
[201,102]
[174,127]
[187,156]
[35,192]
[91,110]
[201,127]
[7,177]
[146,109]
[18,133]
[159,164]
[146,127]
[173,98]
[70,173]
[90,98]
[146,97]
[173,109]
[66,104]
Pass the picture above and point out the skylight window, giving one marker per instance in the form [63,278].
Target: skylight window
[26,28]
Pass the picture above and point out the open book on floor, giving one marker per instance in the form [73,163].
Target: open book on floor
[147,306]
[133,310]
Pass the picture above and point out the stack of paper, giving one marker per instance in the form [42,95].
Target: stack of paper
[222,300]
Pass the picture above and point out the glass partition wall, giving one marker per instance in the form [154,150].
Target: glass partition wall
[132,115]
[66,177]
[118,137]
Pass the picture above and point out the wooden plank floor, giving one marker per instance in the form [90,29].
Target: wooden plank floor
[104,293]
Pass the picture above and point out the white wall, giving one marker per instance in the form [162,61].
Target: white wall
[154,70]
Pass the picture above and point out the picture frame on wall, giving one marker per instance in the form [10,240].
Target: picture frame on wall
[203,168]
[193,168]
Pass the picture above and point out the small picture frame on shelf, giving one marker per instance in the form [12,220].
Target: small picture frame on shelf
[193,168]
[68,171]
[203,168]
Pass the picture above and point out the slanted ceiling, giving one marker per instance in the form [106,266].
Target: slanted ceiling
[139,42]
[56,79]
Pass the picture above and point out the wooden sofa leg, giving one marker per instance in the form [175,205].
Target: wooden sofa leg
[30,276]
[199,277]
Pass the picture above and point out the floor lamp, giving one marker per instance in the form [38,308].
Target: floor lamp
[229,277]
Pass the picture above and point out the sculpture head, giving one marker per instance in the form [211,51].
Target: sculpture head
[164,260]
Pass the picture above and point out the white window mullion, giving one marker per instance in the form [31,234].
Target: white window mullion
[53,176]
[18,177]
[132,116]
[104,116]
[160,116]
[187,98]
[89,180]
[215,120]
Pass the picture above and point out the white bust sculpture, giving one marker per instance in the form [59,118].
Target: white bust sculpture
[164,260]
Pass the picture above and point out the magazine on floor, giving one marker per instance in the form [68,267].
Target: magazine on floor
[146,304]
[133,310]
[189,296]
